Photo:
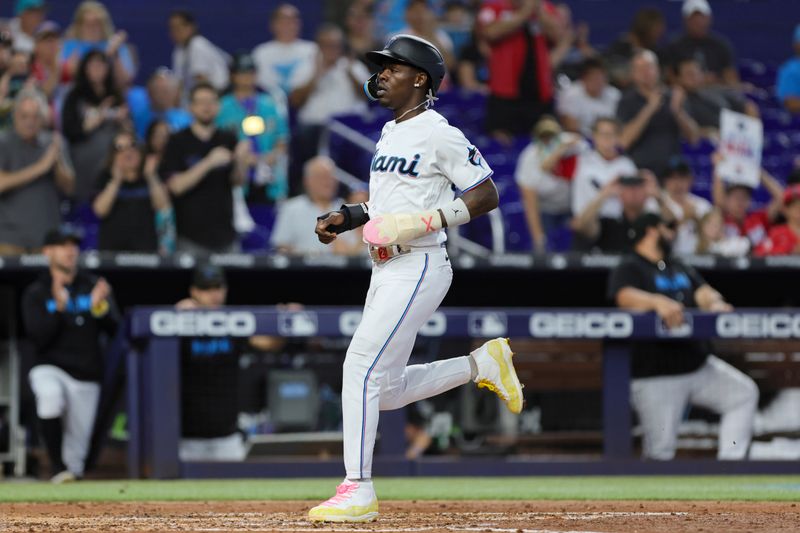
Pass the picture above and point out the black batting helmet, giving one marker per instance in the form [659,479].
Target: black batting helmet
[409,50]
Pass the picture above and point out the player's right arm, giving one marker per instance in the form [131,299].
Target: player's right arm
[349,216]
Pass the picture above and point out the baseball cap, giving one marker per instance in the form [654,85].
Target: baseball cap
[643,222]
[692,6]
[46,29]
[631,180]
[24,5]
[547,125]
[243,62]
[791,194]
[63,235]
[677,166]
[208,277]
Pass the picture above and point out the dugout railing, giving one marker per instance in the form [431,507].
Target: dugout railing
[154,379]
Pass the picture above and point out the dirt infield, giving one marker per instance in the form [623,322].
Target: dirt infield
[511,517]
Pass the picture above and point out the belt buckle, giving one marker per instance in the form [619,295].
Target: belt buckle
[381,254]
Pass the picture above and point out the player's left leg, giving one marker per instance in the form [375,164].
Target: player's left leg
[82,403]
[722,388]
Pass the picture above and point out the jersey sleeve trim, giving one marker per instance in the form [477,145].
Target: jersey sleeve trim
[486,177]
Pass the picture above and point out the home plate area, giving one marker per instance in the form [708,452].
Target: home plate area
[401,516]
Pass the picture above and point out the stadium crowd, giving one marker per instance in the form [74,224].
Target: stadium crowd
[184,162]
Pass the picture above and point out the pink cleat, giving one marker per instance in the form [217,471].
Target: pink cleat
[355,501]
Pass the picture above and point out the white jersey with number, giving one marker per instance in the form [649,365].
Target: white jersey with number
[417,164]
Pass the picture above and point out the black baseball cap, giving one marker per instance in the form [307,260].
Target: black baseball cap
[631,180]
[643,222]
[677,166]
[208,277]
[63,235]
[243,62]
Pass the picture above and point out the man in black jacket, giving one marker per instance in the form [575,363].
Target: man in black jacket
[65,311]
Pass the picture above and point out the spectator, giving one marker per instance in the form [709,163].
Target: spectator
[201,165]
[255,117]
[290,234]
[130,194]
[155,144]
[458,22]
[520,77]
[712,51]
[587,99]
[472,71]
[544,173]
[160,101]
[712,239]
[736,199]
[653,118]
[647,29]
[30,14]
[787,86]
[277,60]
[195,59]
[421,22]
[616,234]
[784,239]
[50,74]
[16,76]
[705,103]
[33,168]
[209,380]
[93,113]
[6,47]
[669,375]
[598,167]
[360,30]
[322,87]
[687,207]
[65,313]
[92,29]
[572,46]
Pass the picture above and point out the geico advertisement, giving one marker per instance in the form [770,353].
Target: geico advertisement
[592,325]
[203,323]
[758,325]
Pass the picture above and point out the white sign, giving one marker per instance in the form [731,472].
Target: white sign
[741,141]
[211,324]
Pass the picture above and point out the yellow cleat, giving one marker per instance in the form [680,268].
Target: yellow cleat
[496,372]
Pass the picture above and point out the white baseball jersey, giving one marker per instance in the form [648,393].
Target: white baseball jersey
[417,163]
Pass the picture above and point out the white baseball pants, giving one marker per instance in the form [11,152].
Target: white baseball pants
[60,395]
[661,402]
[403,294]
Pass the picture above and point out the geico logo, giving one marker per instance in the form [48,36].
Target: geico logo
[581,325]
[435,326]
[211,323]
[754,325]
[348,322]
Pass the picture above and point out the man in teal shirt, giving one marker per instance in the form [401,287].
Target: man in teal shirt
[257,117]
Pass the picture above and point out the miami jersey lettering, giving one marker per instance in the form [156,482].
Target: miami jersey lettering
[416,166]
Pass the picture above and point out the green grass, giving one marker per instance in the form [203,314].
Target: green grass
[753,488]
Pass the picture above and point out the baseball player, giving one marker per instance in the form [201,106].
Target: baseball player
[64,313]
[419,160]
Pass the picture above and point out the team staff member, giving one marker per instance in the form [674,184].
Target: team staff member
[669,375]
[65,312]
[418,160]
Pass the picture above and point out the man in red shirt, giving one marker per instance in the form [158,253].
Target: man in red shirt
[785,238]
[736,199]
[520,75]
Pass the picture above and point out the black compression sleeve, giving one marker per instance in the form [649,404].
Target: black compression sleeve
[355,215]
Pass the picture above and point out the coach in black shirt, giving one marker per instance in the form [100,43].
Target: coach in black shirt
[670,374]
[65,311]
[201,166]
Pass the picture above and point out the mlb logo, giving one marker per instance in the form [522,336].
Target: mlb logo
[491,324]
[684,330]
[298,324]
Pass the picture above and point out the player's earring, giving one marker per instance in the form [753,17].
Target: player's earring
[416,85]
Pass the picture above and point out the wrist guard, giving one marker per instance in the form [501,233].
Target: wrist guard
[355,215]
